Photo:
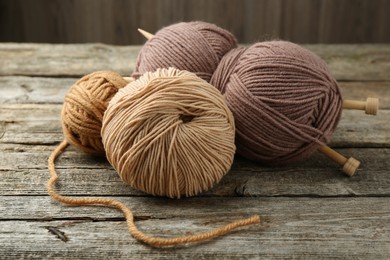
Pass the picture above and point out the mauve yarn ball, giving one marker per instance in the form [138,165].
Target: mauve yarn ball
[197,47]
[284,100]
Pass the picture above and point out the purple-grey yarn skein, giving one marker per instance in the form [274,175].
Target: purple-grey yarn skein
[284,100]
[197,47]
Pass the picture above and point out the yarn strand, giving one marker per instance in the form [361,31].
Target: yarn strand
[134,231]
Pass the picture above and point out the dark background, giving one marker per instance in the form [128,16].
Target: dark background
[116,21]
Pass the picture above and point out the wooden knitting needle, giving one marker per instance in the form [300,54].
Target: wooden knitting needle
[146,34]
[129,79]
[349,165]
[371,105]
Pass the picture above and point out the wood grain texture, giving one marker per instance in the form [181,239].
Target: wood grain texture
[34,90]
[65,60]
[115,22]
[49,90]
[368,62]
[40,124]
[291,227]
[309,209]
[81,174]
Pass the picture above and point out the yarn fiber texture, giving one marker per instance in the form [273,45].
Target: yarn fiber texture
[285,102]
[197,47]
[84,106]
[169,133]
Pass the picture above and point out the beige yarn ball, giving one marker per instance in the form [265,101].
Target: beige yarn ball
[169,133]
[84,106]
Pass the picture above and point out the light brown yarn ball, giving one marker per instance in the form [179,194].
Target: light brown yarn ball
[169,133]
[84,106]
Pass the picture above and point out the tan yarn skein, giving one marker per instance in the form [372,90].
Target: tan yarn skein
[169,133]
[84,106]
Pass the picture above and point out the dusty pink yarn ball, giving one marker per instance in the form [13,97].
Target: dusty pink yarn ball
[283,97]
[197,47]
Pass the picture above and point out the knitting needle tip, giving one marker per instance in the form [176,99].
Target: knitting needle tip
[129,79]
[350,165]
[146,34]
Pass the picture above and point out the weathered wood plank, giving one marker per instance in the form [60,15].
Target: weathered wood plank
[145,208]
[353,62]
[362,90]
[356,129]
[23,171]
[302,218]
[43,90]
[369,62]
[291,228]
[65,60]
[28,90]
[40,124]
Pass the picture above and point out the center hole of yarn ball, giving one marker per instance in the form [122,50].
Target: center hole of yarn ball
[186,118]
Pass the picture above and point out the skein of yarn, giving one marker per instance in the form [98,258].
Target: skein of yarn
[195,46]
[180,131]
[84,106]
[285,102]
[169,133]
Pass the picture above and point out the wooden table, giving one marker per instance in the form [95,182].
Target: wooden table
[308,209]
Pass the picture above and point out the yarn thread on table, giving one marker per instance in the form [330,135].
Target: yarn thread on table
[169,133]
[197,47]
